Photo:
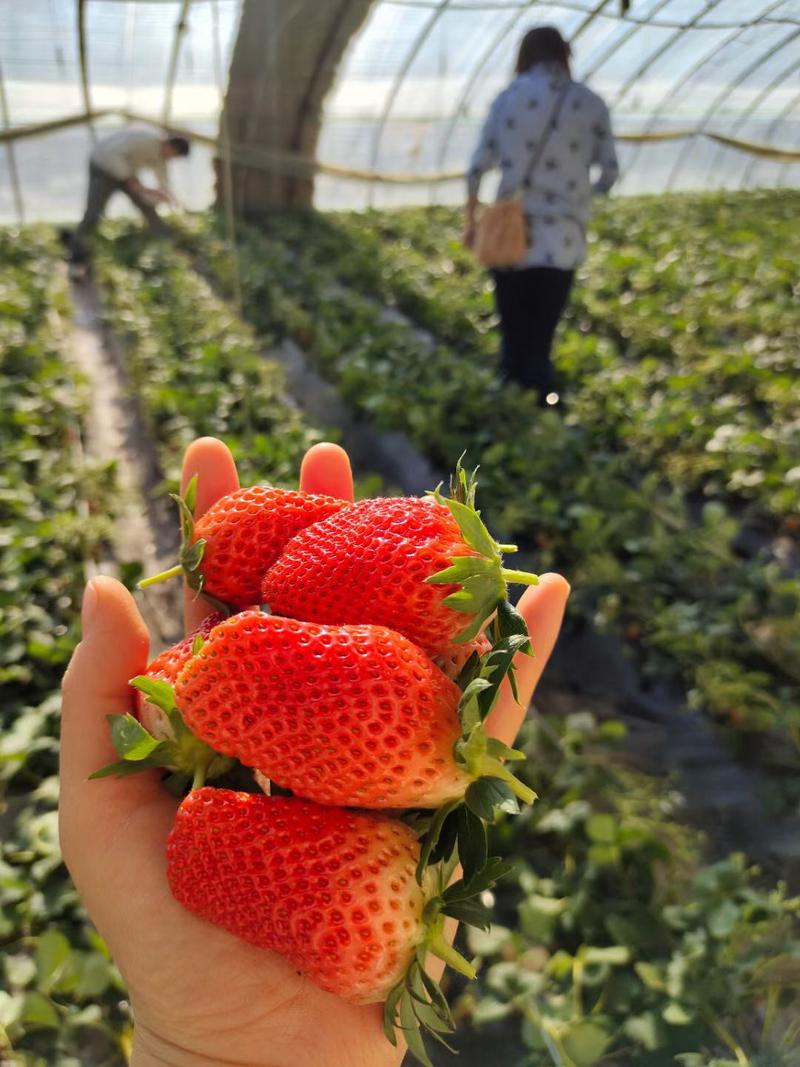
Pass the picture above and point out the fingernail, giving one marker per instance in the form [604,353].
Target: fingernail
[89,605]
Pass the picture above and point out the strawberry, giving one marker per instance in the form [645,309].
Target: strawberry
[453,661]
[332,891]
[167,666]
[156,736]
[226,553]
[416,565]
[353,715]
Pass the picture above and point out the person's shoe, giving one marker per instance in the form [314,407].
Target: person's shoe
[78,272]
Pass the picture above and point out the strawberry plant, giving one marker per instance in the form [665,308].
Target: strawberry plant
[61,998]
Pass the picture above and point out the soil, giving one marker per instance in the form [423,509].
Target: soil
[146,528]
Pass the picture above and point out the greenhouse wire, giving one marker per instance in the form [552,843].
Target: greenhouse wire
[618,43]
[397,84]
[721,97]
[653,57]
[788,108]
[687,77]
[627,16]
[779,78]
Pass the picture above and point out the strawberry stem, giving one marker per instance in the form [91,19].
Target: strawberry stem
[436,943]
[199,779]
[520,577]
[495,768]
[164,576]
[508,548]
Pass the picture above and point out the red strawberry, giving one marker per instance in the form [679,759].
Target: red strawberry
[353,715]
[226,553]
[415,565]
[157,736]
[340,714]
[167,666]
[452,661]
[333,891]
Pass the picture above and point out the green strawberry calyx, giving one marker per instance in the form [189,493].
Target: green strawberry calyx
[191,552]
[416,1004]
[483,578]
[190,760]
[460,821]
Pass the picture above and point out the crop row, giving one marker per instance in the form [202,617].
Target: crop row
[694,298]
[193,366]
[647,561]
[60,995]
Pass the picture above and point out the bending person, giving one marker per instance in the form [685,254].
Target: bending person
[546,133]
[114,166]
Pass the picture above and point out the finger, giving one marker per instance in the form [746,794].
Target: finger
[212,463]
[114,649]
[326,469]
[542,606]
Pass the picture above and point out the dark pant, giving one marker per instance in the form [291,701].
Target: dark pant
[102,187]
[530,302]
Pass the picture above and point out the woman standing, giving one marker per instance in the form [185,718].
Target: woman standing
[545,132]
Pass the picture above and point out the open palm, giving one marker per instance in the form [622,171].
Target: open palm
[200,996]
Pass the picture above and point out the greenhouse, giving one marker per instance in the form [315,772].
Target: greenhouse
[550,247]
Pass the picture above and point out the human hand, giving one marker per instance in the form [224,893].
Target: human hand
[201,997]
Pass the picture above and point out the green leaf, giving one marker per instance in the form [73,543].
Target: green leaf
[39,1010]
[487,796]
[585,1042]
[197,643]
[723,920]
[431,837]
[472,529]
[471,912]
[410,1028]
[602,828]
[190,495]
[130,738]
[53,951]
[156,690]
[650,975]
[390,1012]
[676,1015]
[473,849]
[614,955]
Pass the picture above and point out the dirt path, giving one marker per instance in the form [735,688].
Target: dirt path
[146,527]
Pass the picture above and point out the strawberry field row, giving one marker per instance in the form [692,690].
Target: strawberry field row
[192,365]
[60,995]
[647,560]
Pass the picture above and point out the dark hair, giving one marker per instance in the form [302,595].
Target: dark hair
[543,44]
[179,145]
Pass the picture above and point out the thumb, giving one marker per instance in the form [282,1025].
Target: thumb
[113,650]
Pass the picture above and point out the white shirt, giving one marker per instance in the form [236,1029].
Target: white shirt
[128,151]
[557,197]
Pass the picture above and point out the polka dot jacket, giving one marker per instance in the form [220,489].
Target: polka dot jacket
[557,198]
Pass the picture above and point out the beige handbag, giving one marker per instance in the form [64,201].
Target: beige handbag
[501,235]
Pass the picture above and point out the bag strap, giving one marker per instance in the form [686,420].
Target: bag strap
[539,150]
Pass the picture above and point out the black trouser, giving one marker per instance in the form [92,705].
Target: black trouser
[102,187]
[530,302]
